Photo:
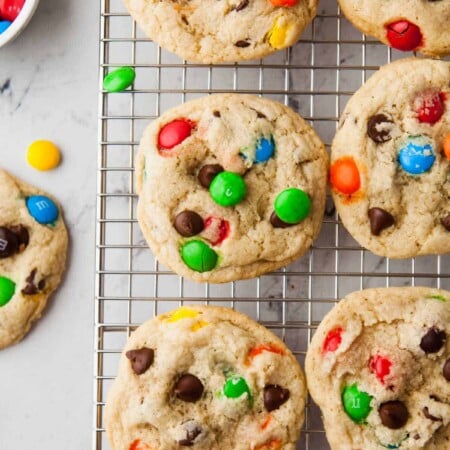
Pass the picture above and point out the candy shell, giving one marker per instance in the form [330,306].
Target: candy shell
[292,205]
[344,175]
[119,79]
[416,156]
[447,146]
[228,189]
[43,155]
[332,340]
[182,313]
[278,34]
[380,366]
[265,149]
[285,3]
[174,133]
[199,256]
[356,403]
[4,25]
[42,209]
[404,35]
[235,387]
[430,106]
[7,289]
[10,9]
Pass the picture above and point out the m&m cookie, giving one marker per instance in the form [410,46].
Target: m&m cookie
[413,25]
[379,369]
[33,248]
[390,160]
[211,31]
[208,378]
[230,187]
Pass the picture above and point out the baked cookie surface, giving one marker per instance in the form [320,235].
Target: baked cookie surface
[408,25]
[33,248]
[208,378]
[379,368]
[390,160]
[211,173]
[212,31]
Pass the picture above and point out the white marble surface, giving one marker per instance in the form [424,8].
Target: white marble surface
[48,85]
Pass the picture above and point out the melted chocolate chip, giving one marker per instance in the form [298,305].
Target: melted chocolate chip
[393,415]
[379,219]
[141,359]
[445,221]
[31,288]
[446,370]
[191,435]
[207,174]
[242,44]
[9,243]
[188,223]
[433,340]
[278,223]
[274,396]
[188,388]
[242,5]
[216,113]
[379,128]
[426,413]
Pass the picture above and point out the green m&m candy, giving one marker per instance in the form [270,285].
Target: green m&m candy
[235,387]
[119,79]
[7,289]
[228,189]
[198,256]
[356,403]
[292,205]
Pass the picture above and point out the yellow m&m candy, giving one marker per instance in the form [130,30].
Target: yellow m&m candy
[278,34]
[43,155]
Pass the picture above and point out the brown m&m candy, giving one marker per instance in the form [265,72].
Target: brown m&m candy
[141,359]
[188,388]
[9,243]
[433,340]
[393,415]
[188,223]
[379,128]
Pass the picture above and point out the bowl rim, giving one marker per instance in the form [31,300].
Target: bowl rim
[20,23]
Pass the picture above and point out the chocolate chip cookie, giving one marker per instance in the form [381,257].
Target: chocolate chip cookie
[379,368]
[230,186]
[208,378]
[212,31]
[390,160]
[413,25]
[33,247]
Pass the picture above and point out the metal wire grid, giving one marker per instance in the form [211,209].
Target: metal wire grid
[316,77]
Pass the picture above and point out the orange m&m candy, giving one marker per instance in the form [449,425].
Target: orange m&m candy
[344,175]
[283,2]
[447,146]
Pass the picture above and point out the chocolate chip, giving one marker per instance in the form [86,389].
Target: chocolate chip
[433,340]
[446,222]
[446,370]
[191,434]
[216,113]
[207,174]
[22,234]
[259,114]
[278,223]
[9,243]
[379,128]
[141,359]
[184,19]
[242,44]
[274,396]
[188,223]
[416,436]
[393,414]
[426,413]
[243,4]
[31,288]
[188,388]
[379,219]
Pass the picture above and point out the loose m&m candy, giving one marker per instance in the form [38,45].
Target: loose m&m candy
[42,209]
[120,79]
[43,155]
[292,205]
[4,25]
[10,9]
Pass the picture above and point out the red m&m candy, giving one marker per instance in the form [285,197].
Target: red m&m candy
[174,133]
[10,9]
[332,340]
[216,230]
[380,366]
[430,106]
[404,35]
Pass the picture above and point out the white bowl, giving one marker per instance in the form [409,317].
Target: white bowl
[20,23]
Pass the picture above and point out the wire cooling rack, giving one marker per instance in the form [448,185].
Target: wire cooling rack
[316,77]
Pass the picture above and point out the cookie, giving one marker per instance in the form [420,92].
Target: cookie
[212,31]
[390,160]
[33,247]
[230,186]
[407,25]
[209,378]
[379,369]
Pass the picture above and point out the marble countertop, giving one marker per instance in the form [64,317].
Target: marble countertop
[48,90]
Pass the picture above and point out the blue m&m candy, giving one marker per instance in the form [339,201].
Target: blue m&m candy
[42,209]
[416,156]
[265,148]
[4,25]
